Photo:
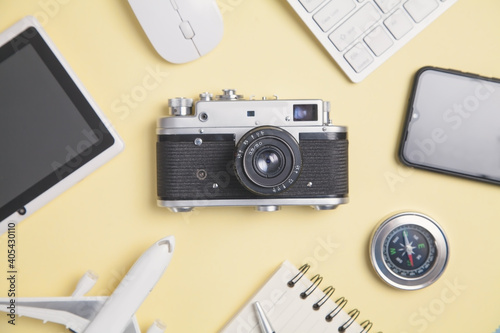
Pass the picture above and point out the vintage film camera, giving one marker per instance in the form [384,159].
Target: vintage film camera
[265,153]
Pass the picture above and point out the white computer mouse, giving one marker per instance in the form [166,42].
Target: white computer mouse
[180,30]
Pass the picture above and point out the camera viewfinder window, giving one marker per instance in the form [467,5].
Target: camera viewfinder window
[305,112]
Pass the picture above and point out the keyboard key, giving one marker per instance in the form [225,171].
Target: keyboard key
[311,5]
[358,57]
[398,24]
[378,41]
[355,26]
[420,9]
[370,32]
[387,5]
[332,13]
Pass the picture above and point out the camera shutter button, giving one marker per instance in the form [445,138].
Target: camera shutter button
[229,95]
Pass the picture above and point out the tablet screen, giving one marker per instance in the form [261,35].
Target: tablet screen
[48,129]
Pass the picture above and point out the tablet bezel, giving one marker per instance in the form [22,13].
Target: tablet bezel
[28,31]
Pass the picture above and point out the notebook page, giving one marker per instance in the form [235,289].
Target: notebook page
[287,311]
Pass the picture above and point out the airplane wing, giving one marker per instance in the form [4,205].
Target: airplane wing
[74,313]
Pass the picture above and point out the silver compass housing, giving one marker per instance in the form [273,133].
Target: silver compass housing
[387,245]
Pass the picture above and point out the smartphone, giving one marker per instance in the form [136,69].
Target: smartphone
[453,124]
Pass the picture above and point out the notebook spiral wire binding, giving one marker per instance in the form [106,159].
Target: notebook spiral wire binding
[316,280]
[341,302]
[328,292]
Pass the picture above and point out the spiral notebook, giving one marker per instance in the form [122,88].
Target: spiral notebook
[293,303]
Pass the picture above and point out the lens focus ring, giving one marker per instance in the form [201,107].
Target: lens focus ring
[268,160]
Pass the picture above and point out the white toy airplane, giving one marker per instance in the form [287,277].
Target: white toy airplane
[99,314]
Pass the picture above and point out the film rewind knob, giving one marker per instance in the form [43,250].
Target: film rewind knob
[180,106]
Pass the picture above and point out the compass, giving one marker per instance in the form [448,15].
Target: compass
[409,251]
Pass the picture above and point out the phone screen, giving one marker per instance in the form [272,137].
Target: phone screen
[453,124]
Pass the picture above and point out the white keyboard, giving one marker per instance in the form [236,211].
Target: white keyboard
[361,34]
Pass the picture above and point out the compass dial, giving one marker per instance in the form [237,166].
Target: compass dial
[409,251]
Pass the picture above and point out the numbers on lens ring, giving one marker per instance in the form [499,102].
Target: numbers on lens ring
[278,188]
[257,135]
[254,148]
[283,187]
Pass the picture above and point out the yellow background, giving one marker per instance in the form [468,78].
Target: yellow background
[223,255]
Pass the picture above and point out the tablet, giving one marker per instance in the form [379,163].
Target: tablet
[52,134]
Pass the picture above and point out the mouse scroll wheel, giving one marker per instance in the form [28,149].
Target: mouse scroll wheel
[187,30]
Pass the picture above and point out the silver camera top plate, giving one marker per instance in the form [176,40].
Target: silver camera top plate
[232,112]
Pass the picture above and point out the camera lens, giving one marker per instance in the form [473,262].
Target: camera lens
[268,160]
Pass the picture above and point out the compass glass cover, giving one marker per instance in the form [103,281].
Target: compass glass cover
[409,251]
